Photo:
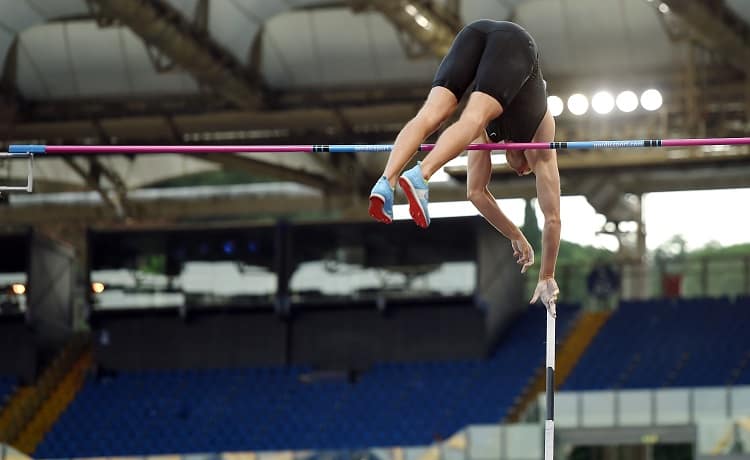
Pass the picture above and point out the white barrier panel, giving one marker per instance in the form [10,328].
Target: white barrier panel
[598,409]
[672,407]
[484,442]
[740,402]
[524,442]
[709,404]
[635,407]
[566,410]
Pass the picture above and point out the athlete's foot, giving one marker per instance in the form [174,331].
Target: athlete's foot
[417,192]
[381,201]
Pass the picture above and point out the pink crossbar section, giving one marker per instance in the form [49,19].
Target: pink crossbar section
[194,149]
[708,141]
[205,149]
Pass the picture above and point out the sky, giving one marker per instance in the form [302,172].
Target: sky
[701,217]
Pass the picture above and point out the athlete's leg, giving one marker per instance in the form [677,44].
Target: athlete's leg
[440,104]
[480,109]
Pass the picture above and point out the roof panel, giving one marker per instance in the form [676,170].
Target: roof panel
[292,40]
[232,28]
[17,16]
[741,7]
[397,67]
[56,9]
[327,47]
[91,61]
[98,69]
[302,3]
[597,36]
[186,7]
[144,77]
[260,10]
[275,70]
[6,39]
[350,60]
[486,9]
[44,70]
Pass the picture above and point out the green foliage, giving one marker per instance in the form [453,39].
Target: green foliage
[715,249]
[714,271]
[155,264]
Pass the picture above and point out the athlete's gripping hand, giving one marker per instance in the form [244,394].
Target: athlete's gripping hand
[547,291]
[523,253]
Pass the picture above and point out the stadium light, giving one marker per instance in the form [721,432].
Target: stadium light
[555,105]
[603,102]
[97,287]
[651,100]
[578,104]
[627,101]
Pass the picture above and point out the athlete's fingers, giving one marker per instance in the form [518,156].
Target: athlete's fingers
[535,297]
[514,245]
[528,262]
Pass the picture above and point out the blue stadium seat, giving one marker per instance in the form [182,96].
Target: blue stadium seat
[161,412]
[670,343]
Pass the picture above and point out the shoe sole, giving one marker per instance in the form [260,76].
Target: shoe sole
[415,207]
[376,209]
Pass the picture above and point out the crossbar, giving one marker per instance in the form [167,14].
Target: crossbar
[361,148]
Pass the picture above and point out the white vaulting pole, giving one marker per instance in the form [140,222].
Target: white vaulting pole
[549,423]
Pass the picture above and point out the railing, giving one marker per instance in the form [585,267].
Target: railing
[696,276]
[622,408]
[720,414]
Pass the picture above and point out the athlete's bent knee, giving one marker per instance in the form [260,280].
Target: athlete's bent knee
[431,118]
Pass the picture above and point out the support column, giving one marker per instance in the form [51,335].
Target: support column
[72,238]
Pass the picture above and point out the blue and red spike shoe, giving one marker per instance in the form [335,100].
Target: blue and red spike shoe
[381,201]
[417,192]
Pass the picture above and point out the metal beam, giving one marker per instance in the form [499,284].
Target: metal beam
[163,27]
[433,29]
[92,177]
[272,200]
[720,86]
[259,168]
[615,161]
[713,24]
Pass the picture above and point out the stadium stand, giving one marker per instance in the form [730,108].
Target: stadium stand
[157,412]
[660,343]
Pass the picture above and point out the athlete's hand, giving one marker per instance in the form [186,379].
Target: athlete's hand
[548,291]
[523,253]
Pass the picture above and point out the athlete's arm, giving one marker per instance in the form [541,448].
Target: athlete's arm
[478,177]
[544,165]
[548,194]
